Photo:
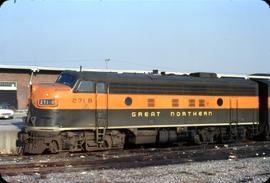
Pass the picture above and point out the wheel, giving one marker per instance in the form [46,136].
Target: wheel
[107,142]
[54,147]
[197,139]
[267,134]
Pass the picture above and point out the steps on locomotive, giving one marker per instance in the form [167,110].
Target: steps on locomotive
[101,125]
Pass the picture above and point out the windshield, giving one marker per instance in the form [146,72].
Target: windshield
[66,79]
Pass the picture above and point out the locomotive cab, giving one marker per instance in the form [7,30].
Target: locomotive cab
[69,102]
[68,110]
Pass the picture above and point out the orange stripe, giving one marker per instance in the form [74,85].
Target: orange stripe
[70,100]
[165,101]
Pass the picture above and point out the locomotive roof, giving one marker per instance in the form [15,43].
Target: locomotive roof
[140,78]
[267,82]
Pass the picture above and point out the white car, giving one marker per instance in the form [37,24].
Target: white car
[6,112]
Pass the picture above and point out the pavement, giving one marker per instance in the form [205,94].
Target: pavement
[9,130]
[20,113]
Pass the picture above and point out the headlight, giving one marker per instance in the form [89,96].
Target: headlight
[47,102]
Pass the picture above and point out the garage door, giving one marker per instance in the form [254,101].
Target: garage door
[8,93]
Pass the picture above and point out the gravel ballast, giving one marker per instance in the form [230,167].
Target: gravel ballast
[242,170]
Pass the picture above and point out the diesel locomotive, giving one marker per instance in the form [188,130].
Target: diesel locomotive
[88,111]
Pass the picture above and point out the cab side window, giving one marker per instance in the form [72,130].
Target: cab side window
[101,88]
[86,87]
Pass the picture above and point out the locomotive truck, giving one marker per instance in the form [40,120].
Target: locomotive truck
[88,111]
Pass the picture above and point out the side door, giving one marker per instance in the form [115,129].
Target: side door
[83,101]
[101,105]
[234,111]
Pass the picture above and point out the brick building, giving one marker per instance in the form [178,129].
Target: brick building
[16,81]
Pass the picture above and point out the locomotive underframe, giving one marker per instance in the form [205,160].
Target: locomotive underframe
[40,141]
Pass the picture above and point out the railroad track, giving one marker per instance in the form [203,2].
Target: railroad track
[131,158]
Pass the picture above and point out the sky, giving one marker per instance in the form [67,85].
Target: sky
[222,36]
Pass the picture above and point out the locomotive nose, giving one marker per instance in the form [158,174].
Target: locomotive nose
[46,95]
[44,104]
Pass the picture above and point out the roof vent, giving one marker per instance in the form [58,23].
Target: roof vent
[261,74]
[155,71]
[204,74]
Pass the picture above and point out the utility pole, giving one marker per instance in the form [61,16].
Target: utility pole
[106,62]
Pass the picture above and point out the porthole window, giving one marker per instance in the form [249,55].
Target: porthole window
[128,101]
[220,102]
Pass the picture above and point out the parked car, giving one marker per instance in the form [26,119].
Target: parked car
[6,111]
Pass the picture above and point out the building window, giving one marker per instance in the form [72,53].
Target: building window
[8,84]
[175,103]
[151,102]
[191,103]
